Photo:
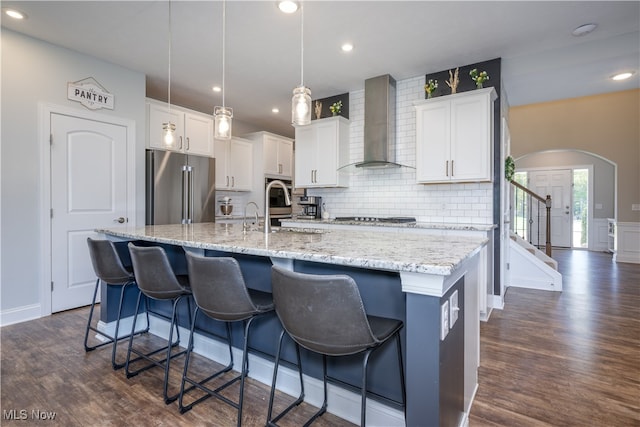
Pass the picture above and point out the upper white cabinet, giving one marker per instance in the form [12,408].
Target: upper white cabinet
[193,134]
[273,154]
[454,137]
[234,164]
[321,148]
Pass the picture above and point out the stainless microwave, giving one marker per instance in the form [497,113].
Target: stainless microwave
[278,208]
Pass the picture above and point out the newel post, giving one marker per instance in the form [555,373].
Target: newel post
[548,244]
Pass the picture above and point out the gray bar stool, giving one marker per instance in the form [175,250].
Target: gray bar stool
[110,270]
[325,314]
[220,292]
[156,280]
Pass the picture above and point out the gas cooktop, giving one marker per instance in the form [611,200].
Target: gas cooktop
[391,220]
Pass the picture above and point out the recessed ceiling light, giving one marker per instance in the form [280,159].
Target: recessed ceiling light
[623,76]
[347,47]
[15,14]
[275,110]
[288,6]
[584,29]
[216,88]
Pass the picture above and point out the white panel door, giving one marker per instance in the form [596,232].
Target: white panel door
[88,190]
[557,184]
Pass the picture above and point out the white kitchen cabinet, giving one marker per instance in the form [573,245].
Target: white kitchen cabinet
[454,137]
[275,153]
[321,148]
[234,164]
[193,134]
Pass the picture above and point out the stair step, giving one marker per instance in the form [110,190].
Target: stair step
[547,260]
[534,251]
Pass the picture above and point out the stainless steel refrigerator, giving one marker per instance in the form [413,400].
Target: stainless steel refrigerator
[180,188]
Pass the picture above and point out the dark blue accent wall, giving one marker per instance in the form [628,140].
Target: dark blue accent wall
[493,68]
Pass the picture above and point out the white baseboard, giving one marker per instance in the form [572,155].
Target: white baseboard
[465,421]
[125,326]
[20,314]
[496,301]
[340,402]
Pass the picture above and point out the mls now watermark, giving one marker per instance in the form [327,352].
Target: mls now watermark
[24,414]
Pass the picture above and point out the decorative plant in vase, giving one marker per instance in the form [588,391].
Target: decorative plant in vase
[430,87]
[479,78]
[335,108]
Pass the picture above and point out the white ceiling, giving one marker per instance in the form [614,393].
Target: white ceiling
[542,61]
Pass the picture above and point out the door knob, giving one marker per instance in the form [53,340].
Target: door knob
[120,220]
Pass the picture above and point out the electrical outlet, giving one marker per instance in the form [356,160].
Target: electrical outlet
[444,320]
[453,309]
[635,207]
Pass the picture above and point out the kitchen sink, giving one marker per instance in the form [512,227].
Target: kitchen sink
[296,230]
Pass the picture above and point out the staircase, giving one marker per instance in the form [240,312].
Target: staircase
[531,268]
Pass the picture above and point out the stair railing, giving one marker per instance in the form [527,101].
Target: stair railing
[523,208]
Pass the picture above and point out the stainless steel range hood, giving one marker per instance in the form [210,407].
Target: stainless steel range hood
[379,124]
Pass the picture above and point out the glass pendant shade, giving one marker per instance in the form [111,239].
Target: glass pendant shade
[222,118]
[168,131]
[301,106]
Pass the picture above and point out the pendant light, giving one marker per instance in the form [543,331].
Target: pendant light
[301,101]
[223,115]
[168,128]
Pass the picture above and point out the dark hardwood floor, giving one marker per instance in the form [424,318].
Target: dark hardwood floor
[548,359]
[565,359]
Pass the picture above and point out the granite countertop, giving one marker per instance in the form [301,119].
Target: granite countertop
[438,255]
[416,225]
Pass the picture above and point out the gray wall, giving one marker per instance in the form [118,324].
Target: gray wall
[603,174]
[34,71]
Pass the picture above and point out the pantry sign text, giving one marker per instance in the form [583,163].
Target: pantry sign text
[91,94]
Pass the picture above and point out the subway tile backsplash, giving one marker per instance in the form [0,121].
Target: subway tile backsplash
[394,192]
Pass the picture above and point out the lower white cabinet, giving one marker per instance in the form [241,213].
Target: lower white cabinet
[234,164]
[454,137]
[321,148]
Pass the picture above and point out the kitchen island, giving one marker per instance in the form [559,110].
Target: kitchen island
[407,276]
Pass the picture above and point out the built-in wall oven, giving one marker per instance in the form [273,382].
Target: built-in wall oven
[278,208]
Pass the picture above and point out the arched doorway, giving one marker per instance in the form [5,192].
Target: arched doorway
[593,201]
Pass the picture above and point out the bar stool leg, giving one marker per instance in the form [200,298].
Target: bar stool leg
[201,384]
[402,380]
[115,344]
[363,403]
[174,324]
[86,334]
[271,422]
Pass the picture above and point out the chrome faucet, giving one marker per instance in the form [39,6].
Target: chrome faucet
[287,201]
[245,226]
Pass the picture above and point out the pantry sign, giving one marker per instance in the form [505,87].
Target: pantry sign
[90,93]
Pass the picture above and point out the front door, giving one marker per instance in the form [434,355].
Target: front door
[88,190]
[557,184]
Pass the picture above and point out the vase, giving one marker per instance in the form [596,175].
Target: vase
[429,95]
[335,113]
[478,85]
